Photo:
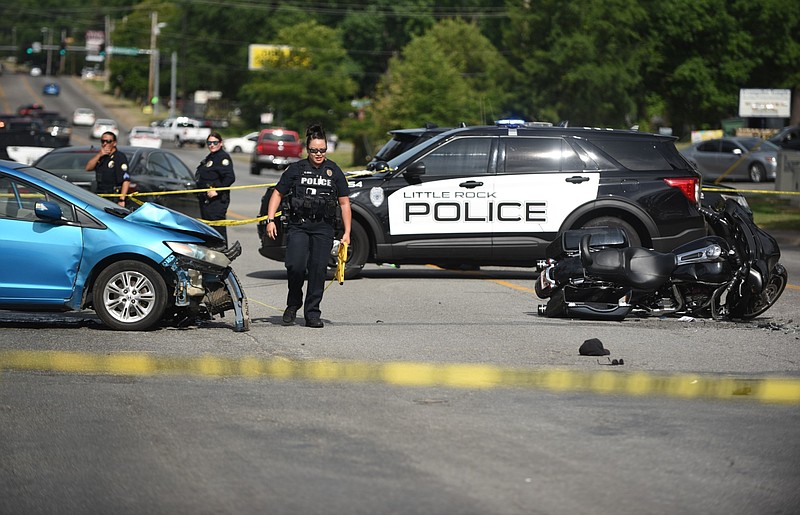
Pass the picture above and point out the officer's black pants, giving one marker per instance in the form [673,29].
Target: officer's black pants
[215,209]
[308,249]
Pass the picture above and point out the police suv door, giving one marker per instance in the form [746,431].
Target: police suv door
[443,214]
[539,182]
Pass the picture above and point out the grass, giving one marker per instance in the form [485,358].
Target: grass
[775,212]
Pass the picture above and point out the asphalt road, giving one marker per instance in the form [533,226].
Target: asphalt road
[196,439]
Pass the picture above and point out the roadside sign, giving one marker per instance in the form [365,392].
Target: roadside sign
[123,50]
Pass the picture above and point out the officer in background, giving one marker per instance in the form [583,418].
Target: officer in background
[215,171]
[316,187]
[111,168]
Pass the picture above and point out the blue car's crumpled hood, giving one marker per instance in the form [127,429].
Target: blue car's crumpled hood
[162,217]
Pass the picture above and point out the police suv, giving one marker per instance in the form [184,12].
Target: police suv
[498,195]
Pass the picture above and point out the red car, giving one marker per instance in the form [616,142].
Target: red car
[275,148]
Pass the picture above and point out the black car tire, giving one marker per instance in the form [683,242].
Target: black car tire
[255,170]
[237,149]
[756,171]
[634,240]
[139,284]
[358,251]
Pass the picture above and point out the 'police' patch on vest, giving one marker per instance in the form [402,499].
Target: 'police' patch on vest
[329,172]
[225,162]
[209,163]
[111,164]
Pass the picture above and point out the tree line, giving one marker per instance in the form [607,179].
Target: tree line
[366,69]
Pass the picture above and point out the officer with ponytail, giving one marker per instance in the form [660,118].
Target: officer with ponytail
[315,187]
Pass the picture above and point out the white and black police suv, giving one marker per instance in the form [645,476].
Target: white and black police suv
[498,195]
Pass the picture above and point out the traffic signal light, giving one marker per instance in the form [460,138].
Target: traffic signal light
[62,48]
[102,50]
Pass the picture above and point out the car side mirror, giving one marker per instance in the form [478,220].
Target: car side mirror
[415,170]
[737,151]
[48,211]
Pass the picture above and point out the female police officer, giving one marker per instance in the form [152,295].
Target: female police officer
[316,186]
[215,171]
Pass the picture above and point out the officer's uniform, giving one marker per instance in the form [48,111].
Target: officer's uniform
[215,171]
[110,172]
[312,195]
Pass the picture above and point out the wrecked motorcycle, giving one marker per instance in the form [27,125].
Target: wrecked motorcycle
[733,273]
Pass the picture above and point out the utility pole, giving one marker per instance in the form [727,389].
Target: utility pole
[153,55]
[173,97]
[107,64]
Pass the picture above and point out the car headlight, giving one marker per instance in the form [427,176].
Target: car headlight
[199,253]
[739,199]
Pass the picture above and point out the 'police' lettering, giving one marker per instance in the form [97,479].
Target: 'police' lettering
[316,181]
[535,212]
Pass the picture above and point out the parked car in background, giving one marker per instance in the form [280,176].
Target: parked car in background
[51,88]
[735,158]
[144,137]
[102,125]
[245,144]
[275,148]
[788,138]
[182,130]
[151,170]
[30,109]
[83,116]
[65,249]
[36,71]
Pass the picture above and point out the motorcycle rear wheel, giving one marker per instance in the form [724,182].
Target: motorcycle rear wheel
[772,292]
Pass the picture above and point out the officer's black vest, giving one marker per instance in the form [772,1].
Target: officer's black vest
[314,196]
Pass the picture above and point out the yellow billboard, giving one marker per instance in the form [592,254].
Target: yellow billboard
[279,56]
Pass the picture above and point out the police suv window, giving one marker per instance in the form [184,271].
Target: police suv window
[534,155]
[461,157]
[636,154]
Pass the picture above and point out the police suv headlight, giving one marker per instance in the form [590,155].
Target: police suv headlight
[200,253]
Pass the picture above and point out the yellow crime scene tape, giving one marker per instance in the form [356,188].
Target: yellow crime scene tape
[776,390]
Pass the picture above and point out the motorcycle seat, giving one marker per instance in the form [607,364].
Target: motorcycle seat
[637,267]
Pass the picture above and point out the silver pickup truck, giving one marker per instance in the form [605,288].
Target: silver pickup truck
[182,130]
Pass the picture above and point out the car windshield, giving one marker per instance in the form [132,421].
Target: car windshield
[401,158]
[76,191]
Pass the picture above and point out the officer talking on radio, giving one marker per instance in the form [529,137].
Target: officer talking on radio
[111,168]
[313,187]
[215,171]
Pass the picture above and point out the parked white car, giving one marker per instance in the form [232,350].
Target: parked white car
[144,137]
[83,116]
[245,144]
[102,125]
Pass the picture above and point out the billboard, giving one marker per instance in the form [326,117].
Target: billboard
[259,56]
[765,103]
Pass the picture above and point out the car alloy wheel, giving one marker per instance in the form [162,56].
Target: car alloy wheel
[130,295]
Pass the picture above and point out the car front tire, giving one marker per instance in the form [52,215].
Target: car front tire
[130,296]
[756,172]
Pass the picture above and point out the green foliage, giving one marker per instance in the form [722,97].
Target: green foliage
[298,95]
[679,63]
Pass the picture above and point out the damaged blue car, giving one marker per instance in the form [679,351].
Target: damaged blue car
[63,248]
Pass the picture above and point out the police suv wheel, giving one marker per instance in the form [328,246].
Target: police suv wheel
[130,296]
[358,251]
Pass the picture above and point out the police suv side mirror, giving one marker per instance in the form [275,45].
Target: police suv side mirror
[415,170]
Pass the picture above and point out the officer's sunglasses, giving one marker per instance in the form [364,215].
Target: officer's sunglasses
[317,150]
[106,141]
[212,143]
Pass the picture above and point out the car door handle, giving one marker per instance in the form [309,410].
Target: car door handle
[575,179]
[471,184]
